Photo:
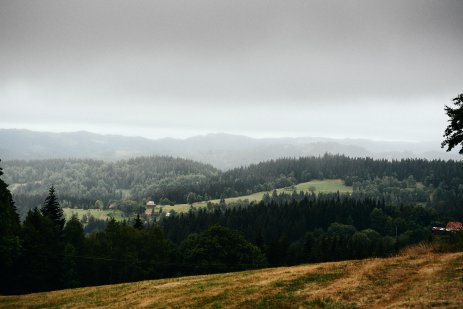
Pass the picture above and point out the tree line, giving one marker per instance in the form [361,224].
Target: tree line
[304,227]
[168,180]
[44,252]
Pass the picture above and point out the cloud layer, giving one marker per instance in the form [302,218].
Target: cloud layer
[376,69]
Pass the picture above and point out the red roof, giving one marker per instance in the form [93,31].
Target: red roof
[455,226]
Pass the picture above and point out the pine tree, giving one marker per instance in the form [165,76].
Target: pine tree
[74,233]
[51,209]
[42,260]
[74,239]
[454,131]
[9,238]
[138,224]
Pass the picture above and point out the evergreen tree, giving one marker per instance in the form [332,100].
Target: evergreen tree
[51,209]
[9,238]
[454,131]
[74,232]
[43,242]
[138,224]
[74,238]
[43,254]
[220,249]
[71,275]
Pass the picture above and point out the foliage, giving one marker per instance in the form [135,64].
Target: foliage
[51,209]
[307,228]
[219,249]
[165,180]
[454,131]
[90,183]
[10,245]
[138,224]
[42,263]
[387,210]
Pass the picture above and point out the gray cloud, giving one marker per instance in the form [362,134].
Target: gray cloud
[338,68]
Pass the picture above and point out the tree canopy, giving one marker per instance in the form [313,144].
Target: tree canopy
[9,235]
[51,209]
[454,131]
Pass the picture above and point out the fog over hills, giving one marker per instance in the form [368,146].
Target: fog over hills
[224,151]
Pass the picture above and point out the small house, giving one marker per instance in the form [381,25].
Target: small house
[454,226]
[149,212]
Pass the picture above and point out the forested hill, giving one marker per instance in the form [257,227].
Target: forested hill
[223,151]
[82,183]
[392,204]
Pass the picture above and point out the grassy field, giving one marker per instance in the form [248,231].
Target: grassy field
[418,278]
[320,186]
[97,213]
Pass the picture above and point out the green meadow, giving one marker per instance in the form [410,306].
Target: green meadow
[97,213]
[318,186]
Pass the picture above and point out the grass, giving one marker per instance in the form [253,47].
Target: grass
[97,213]
[298,283]
[416,278]
[320,186]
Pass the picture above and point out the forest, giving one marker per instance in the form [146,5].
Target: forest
[96,184]
[393,204]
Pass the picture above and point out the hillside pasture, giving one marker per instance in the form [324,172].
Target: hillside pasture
[419,278]
[101,214]
[319,186]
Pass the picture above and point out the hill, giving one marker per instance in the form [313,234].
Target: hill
[318,186]
[86,183]
[417,278]
[224,151]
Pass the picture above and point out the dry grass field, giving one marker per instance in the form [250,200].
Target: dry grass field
[418,278]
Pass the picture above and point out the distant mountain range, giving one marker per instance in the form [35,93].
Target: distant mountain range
[224,151]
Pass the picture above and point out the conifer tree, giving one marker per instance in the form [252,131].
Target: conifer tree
[138,224]
[74,238]
[9,238]
[52,209]
[42,265]
[454,131]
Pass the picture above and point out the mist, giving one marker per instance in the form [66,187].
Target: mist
[357,69]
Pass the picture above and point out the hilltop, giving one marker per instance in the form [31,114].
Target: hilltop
[224,151]
[416,278]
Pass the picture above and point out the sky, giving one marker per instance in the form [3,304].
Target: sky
[380,70]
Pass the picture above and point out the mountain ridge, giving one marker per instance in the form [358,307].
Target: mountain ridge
[222,150]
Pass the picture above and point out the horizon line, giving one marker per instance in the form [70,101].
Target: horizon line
[212,133]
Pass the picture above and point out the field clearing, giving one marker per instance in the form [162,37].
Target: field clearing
[419,278]
[97,213]
[321,186]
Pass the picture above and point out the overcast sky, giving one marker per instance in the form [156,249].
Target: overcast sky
[373,69]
